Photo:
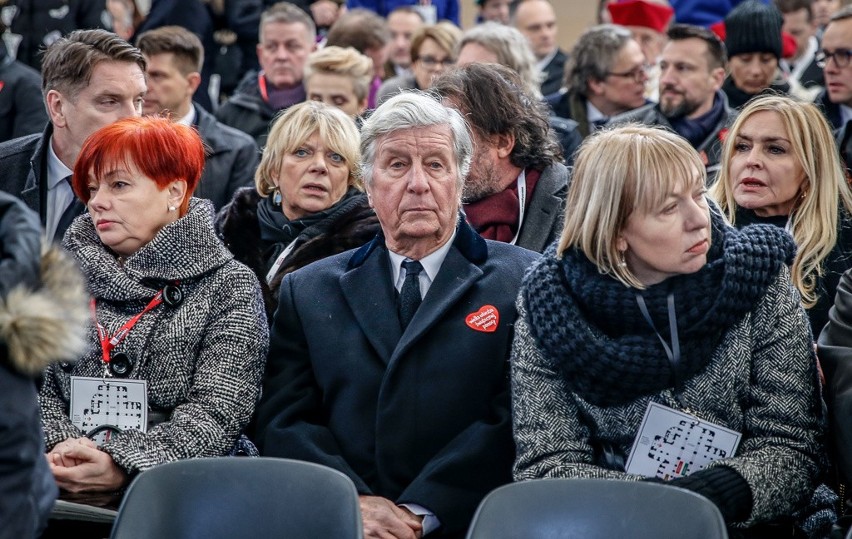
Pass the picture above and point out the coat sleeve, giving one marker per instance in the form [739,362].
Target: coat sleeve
[551,438]
[835,354]
[224,389]
[290,422]
[781,452]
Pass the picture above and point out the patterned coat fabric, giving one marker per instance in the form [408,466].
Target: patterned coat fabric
[761,381]
[203,358]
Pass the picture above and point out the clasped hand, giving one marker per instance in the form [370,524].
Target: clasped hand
[79,466]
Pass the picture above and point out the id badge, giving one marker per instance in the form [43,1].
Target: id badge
[672,444]
[112,404]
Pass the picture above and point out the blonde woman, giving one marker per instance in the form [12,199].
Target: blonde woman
[780,166]
[308,202]
[647,262]
[339,77]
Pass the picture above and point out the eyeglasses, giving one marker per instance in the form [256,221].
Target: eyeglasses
[841,57]
[638,74]
[430,62]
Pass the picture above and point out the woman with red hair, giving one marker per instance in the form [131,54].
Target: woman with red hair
[179,334]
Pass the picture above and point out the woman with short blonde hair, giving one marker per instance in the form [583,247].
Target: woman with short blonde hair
[339,77]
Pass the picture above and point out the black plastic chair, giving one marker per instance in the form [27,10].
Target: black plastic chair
[595,509]
[237,497]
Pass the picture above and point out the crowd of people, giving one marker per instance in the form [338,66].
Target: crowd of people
[435,259]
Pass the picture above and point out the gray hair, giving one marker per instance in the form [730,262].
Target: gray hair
[410,110]
[593,56]
[511,48]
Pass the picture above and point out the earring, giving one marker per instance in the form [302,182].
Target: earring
[621,262]
[172,208]
[276,197]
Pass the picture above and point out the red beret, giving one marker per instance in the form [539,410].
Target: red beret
[641,13]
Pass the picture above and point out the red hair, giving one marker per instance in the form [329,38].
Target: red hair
[159,148]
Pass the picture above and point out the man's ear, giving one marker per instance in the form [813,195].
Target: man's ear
[55,103]
[194,81]
[596,87]
[504,143]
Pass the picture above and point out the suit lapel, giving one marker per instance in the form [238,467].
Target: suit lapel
[456,276]
[370,294]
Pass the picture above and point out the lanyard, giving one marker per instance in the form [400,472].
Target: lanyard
[261,83]
[522,200]
[109,343]
[673,351]
[280,261]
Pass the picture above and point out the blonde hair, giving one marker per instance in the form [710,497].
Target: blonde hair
[296,125]
[444,33]
[619,171]
[346,62]
[813,220]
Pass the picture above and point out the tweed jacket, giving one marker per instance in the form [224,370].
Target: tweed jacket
[203,358]
[232,158]
[417,416]
[761,381]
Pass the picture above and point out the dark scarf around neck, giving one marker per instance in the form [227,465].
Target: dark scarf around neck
[590,323]
[695,130]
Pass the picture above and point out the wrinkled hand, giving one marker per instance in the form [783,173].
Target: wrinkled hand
[92,471]
[383,519]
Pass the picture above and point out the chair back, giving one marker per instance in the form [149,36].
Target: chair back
[230,497]
[595,509]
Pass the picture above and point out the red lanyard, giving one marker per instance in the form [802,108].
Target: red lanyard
[107,342]
[261,82]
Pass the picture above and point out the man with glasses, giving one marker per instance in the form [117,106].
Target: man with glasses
[692,70]
[835,58]
[605,77]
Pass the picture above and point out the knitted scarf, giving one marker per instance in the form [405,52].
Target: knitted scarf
[591,325]
[495,217]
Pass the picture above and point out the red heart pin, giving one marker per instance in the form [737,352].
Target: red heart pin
[485,319]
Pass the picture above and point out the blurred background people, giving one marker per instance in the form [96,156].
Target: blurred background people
[287,37]
[308,202]
[368,34]
[340,78]
[146,246]
[174,57]
[648,22]
[780,166]
[536,20]
[493,10]
[433,51]
[835,58]
[799,23]
[433,10]
[403,22]
[21,105]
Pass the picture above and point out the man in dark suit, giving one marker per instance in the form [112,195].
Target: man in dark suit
[175,56]
[515,191]
[90,79]
[536,19]
[408,397]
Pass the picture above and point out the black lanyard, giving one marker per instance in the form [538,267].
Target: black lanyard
[673,351]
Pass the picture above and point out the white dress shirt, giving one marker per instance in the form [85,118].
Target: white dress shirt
[59,192]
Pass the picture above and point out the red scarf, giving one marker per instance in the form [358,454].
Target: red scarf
[496,217]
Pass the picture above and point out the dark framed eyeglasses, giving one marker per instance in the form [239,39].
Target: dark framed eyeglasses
[638,74]
[841,57]
[431,61]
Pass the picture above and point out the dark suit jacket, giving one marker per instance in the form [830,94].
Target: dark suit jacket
[416,417]
[232,158]
[553,73]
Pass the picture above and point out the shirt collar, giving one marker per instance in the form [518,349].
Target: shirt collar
[431,263]
[542,64]
[56,169]
[189,119]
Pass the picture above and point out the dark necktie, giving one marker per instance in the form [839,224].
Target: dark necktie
[409,295]
[71,212]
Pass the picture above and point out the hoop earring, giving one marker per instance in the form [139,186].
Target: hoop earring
[276,197]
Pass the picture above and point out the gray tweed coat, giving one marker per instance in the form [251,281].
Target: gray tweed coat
[761,381]
[203,359]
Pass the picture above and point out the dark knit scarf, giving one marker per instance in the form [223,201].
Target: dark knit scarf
[590,324]
[737,98]
[276,228]
[495,217]
[695,130]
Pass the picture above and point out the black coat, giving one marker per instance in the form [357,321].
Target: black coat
[247,111]
[420,416]
[553,73]
[232,158]
[22,110]
[352,226]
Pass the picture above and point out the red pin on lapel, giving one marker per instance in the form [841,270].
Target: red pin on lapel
[485,319]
